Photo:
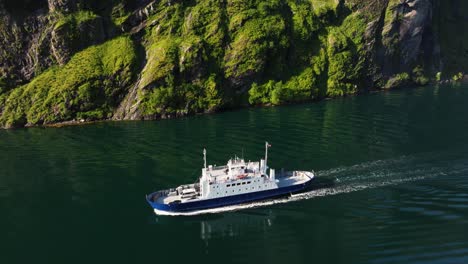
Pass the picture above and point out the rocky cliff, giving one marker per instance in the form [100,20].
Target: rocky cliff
[63,60]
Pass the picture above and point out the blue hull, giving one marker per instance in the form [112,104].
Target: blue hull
[229,200]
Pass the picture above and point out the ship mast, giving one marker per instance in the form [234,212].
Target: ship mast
[266,155]
[204,156]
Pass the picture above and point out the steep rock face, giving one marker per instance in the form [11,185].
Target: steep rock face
[74,33]
[450,22]
[41,35]
[406,35]
[88,87]
[415,25]
[189,57]
[23,42]
[63,6]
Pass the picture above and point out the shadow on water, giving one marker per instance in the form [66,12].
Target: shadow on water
[220,225]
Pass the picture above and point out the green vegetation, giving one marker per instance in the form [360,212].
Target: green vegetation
[74,19]
[457,77]
[89,86]
[119,14]
[323,7]
[184,51]
[334,61]
[399,80]
[419,77]
[167,90]
[181,99]
[438,76]
[259,33]
[201,56]
[345,56]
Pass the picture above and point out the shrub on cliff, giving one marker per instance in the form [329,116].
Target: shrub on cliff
[90,85]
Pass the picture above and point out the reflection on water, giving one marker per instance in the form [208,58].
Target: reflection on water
[236,224]
[223,225]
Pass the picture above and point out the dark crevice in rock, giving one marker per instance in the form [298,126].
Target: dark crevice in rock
[20,9]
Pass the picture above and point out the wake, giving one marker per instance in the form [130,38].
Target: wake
[342,180]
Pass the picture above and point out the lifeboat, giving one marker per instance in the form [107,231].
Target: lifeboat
[242,176]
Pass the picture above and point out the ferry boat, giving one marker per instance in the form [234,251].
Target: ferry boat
[235,183]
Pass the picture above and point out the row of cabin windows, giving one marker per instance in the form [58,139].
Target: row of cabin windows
[232,185]
[240,189]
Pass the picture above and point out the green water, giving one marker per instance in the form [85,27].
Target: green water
[399,160]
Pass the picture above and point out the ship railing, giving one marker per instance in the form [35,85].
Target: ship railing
[217,168]
[303,173]
[298,173]
[156,195]
[283,174]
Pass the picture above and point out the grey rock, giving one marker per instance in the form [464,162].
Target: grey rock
[63,6]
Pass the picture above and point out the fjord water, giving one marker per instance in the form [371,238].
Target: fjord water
[398,160]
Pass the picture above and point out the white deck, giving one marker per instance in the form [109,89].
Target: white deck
[235,169]
[170,199]
[302,177]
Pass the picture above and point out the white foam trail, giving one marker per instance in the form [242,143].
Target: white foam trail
[358,177]
[351,188]
[295,197]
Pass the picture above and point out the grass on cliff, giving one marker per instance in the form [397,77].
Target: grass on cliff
[209,54]
[204,55]
[345,55]
[74,18]
[333,69]
[182,74]
[89,86]
[200,56]
[173,81]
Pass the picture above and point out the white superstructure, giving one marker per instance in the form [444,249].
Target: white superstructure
[235,178]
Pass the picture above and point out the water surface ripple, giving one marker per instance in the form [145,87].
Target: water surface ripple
[392,171]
